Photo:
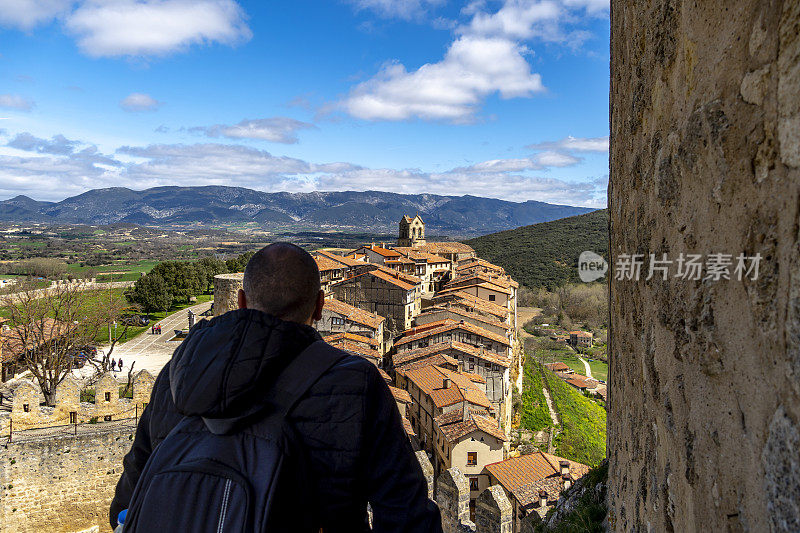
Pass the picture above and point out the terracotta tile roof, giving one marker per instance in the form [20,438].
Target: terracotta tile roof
[386,377]
[385,252]
[400,395]
[518,472]
[478,281]
[446,247]
[408,427]
[467,349]
[408,278]
[325,264]
[350,337]
[475,378]
[444,328]
[580,382]
[337,258]
[438,359]
[380,274]
[454,427]
[557,367]
[399,260]
[430,379]
[354,314]
[528,495]
[458,297]
[466,314]
[475,262]
[581,333]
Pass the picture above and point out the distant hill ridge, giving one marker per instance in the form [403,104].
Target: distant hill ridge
[546,254]
[214,205]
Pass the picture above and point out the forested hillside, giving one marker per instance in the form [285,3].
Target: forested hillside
[546,254]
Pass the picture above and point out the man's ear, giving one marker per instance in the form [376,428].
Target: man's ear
[241,299]
[320,304]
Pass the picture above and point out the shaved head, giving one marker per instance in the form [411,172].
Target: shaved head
[282,280]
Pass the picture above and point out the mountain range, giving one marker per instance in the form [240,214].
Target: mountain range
[218,205]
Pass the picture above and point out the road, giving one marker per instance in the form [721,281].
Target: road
[152,352]
[586,366]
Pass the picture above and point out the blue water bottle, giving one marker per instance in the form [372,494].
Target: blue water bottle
[121,520]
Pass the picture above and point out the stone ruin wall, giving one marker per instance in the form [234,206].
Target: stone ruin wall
[704,408]
[226,290]
[64,483]
[27,413]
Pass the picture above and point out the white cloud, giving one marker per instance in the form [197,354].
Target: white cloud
[403,9]
[451,89]
[487,57]
[574,144]
[58,167]
[275,129]
[26,14]
[139,102]
[155,27]
[14,101]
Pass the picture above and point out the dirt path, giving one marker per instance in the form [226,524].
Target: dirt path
[553,414]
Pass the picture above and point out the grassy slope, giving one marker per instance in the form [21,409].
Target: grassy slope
[546,254]
[534,414]
[583,423]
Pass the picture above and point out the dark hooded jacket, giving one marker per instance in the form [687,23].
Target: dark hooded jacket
[348,422]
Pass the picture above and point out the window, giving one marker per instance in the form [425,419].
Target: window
[336,321]
[473,483]
[73,417]
[108,396]
[26,407]
[492,297]
[107,418]
[472,458]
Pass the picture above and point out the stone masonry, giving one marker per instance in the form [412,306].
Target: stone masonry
[226,291]
[704,406]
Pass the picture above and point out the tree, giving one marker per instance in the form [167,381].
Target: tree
[151,292]
[50,329]
[237,264]
[210,267]
[183,280]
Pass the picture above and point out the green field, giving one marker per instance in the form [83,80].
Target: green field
[123,271]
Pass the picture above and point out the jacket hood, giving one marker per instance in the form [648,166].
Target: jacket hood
[225,365]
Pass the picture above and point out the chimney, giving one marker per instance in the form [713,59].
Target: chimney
[446,383]
[542,498]
[564,468]
[567,481]
[466,412]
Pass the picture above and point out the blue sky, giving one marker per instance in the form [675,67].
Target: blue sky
[504,99]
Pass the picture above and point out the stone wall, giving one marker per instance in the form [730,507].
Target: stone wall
[61,483]
[226,291]
[704,407]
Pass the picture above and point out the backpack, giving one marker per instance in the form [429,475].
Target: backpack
[210,476]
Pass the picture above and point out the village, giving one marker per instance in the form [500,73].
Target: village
[440,324]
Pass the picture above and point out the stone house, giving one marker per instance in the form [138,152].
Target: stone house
[454,251]
[433,270]
[468,439]
[581,339]
[339,317]
[558,366]
[373,253]
[453,331]
[533,483]
[472,304]
[582,383]
[437,313]
[333,267]
[476,265]
[492,369]
[357,345]
[15,343]
[435,390]
[382,292]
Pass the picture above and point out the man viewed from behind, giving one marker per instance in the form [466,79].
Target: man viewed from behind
[223,399]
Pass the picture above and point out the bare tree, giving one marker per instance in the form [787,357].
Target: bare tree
[51,329]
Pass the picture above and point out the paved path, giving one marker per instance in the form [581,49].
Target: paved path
[152,352]
[587,367]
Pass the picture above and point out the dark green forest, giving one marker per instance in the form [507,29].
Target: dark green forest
[546,254]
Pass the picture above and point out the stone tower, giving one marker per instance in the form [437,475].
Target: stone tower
[412,231]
